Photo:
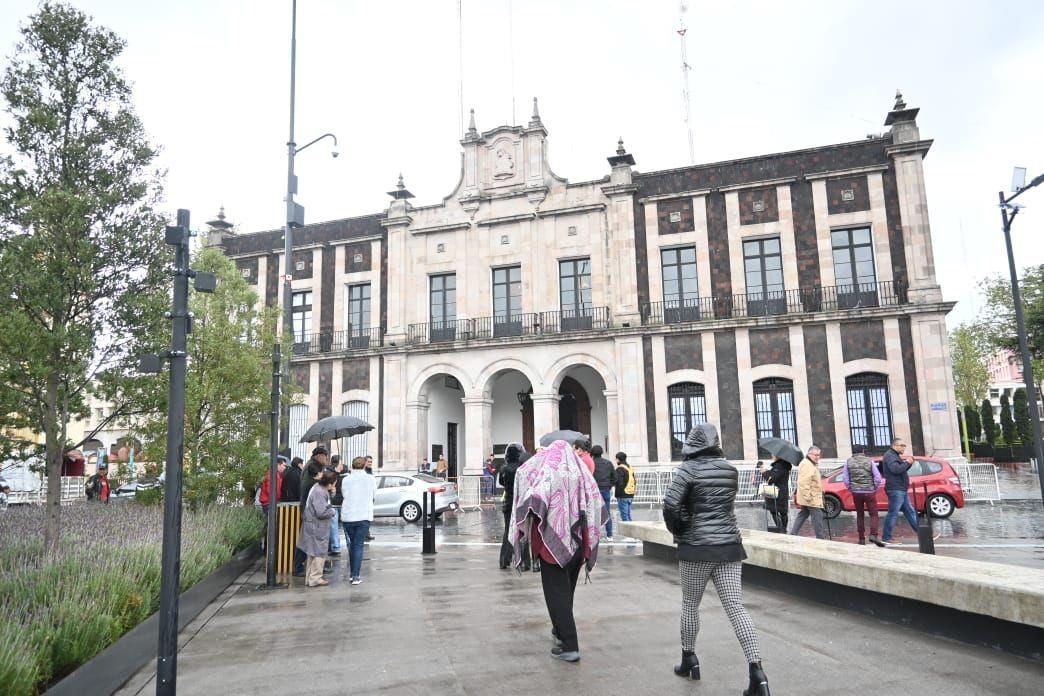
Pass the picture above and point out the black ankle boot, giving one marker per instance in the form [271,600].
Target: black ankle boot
[758,681]
[689,667]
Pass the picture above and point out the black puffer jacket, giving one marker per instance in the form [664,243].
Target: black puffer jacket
[698,506]
[514,457]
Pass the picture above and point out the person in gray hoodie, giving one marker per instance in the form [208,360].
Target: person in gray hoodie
[863,480]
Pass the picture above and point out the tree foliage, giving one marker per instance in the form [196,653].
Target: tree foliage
[228,387]
[1023,425]
[82,282]
[989,426]
[974,423]
[1007,423]
[968,354]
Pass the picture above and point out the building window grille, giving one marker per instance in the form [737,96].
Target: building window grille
[869,412]
[774,410]
[356,445]
[298,424]
[688,407]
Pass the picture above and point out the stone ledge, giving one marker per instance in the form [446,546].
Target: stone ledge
[1009,593]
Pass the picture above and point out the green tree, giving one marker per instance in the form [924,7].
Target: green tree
[227,388]
[998,315]
[989,426]
[970,377]
[1007,423]
[82,282]
[972,420]
[1023,425]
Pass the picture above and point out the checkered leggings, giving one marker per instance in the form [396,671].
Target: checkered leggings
[728,583]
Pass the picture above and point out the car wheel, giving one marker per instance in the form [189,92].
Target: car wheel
[411,511]
[831,506]
[941,505]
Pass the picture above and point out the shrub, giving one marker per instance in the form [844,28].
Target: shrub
[58,612]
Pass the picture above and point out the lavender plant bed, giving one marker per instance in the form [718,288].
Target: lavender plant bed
[57,613]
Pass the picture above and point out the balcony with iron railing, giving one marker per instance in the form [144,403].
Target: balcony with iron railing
[510,326]
[772,304]
[347,341]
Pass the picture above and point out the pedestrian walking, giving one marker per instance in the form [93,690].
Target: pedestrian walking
[336,466]
[810,494]
[265,494]
[514,456]
[358,492]
[559,510]
[626,486]
[778,475]
[291,489]
[768,492]
[698,509]
[863,480]
[895,467]
[605,477]
[312,472]
[97,486]
[582,449]
[315,530]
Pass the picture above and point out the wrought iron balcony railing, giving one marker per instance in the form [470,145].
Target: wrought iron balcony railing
[768,304]
[509,326]
[348,340]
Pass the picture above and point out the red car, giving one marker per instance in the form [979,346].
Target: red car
[944,489]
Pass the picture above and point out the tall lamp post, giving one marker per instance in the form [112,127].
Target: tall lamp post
[1008,213]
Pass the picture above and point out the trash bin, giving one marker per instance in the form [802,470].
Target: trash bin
[288,527]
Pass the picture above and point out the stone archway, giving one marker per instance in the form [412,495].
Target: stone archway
[574,406]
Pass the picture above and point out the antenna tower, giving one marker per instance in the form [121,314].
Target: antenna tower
[682,29]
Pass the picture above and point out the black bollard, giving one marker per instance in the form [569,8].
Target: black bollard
[428,524]
[925,534]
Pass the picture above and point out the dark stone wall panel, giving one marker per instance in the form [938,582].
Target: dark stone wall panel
[355,374]
[805,238]
[326,294]
[683,352]
[325,388]
[731,426]
[769,347]
[895,228]
[765,198]
[683,208]
[272,280]
[820,397]
[358,257]
[302,377]
[641,248]
[384,286]
[718,246]
[650,397]
[863,339]
[854,188]
[248,269]
[913,401]
[318,233]
[303,259]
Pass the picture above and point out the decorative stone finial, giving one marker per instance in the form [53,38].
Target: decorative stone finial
[899,103]
[471,124]
[536,112]
[400,185]
[221,214]
[620,147]
[400,192]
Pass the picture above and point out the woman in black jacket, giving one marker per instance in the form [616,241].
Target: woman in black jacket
[698,510]
[779,475]
[514,456]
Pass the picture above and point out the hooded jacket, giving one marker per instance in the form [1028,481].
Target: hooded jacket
[514,456]
[698,505]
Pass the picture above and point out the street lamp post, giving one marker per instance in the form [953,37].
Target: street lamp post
[1008,213]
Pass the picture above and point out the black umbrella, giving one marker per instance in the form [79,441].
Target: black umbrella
[569,436]
[781,449]
[333,427]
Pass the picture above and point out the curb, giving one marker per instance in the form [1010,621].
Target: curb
[111,668]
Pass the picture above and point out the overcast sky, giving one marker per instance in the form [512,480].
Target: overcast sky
[211,85]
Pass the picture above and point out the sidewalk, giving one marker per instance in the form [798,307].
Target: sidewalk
[455,624]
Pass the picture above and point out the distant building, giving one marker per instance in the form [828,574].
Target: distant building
[790,295]
[1005,368]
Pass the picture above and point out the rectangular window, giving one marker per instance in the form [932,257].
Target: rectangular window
[507,301]
[443,307]
[854,268]
[680,285]
[574,285]
[774,410]
[297,425]
[358,323]
[763,272]
[355,445]
[688,407]
[869,412]
[301,315]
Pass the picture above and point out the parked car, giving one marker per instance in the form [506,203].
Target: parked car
[129,490]
[944,489]
[402,495]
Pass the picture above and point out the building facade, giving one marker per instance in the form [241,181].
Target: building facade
[1005,369]
[789,295]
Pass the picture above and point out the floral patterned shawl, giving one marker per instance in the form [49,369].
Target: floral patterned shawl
[560,494]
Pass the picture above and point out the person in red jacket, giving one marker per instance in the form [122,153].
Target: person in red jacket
[266,488]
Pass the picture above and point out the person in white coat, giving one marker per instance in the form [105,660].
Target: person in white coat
[358,491]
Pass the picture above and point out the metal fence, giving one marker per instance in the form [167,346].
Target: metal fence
[72,489]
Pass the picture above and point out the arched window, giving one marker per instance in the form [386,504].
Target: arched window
[688,406]
[356,445]
[869,411]
[297,425]
[774,410]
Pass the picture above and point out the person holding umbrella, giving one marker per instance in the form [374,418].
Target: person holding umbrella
[787,456]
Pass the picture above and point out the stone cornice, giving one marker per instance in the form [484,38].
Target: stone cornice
[854,171]
[278,251]
[506,220]
[671,196]
[400,221]
[764,183]
[449,227]
[619,189]
[570,211]
[917,147]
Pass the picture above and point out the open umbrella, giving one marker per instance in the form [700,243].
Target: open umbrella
[781,449]
[568,435]
[333,427]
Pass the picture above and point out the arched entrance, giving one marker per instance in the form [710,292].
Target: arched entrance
[574,407]
[512,417]
[582,404]
[442,397]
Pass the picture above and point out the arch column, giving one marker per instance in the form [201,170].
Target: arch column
[478,434]
[416,444]
[545,414]
[612,420]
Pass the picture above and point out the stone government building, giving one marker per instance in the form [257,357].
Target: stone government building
[791,294]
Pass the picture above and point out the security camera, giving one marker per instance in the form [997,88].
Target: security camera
[334,154]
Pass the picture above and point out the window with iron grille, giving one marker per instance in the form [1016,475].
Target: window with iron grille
[869,412]
[774,410]
[301,313]
[354,446]
[298,424]
[688,407]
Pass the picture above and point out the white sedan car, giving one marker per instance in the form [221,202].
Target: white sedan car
[401,495]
